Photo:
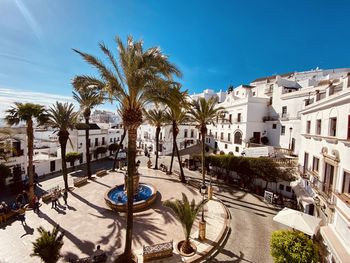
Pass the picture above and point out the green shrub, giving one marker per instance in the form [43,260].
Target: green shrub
[293,247]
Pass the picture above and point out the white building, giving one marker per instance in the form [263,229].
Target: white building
[324,158]
[14,148]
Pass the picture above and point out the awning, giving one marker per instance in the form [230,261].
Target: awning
[334,244]
[298,220]
[303,196]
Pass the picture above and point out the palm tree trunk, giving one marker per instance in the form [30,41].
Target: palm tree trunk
[87,146]
[157,147]
[30,171]
[174,147]
[132,135]
[203,158]
[182,176]
[118,149]
[63,138]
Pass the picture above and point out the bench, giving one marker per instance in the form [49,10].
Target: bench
[46,197]
[13,213]
[80,181]
[157,251]
[101,173]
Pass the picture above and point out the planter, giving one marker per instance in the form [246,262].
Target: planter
[178,248]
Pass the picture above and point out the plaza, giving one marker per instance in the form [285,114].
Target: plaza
[87,221]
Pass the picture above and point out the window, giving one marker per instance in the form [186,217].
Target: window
[283,130]
[192,133]
[216,135]
[96,141]
[253,93]
[103,140]
[230,118]
[284,111]
[225,146]
[332,126]
[318,126]
[308,127]
[229,137]
[185,134]
[90,142]
[281,187]
[288,189]
[237,92]
[346,183]
[238,137]
[274,126]
[236,149]
[315,163]
[222,136]
[239,115]
[110,139]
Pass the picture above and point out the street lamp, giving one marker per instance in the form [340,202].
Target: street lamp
[202,225]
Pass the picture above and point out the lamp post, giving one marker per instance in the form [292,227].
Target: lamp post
[290,138]
[210,188]
[202,224]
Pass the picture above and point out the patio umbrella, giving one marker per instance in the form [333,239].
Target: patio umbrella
[298,220]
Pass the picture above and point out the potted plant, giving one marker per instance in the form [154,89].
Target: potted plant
[48,245]
[186,212]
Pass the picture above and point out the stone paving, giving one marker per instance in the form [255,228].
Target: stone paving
[88,222]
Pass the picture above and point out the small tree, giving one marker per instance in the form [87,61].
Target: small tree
[100,150]
[293,247]
[71,157]
[48,245]
[186,212]
[4,173]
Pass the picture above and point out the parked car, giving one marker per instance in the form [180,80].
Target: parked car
[121,156]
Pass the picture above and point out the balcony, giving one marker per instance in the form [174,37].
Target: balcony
[268,90]
[324,190]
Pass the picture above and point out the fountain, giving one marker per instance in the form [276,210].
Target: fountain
[144,195]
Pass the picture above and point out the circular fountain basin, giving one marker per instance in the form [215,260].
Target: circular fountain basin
[116,198]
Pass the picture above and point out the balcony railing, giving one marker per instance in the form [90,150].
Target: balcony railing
[324,190]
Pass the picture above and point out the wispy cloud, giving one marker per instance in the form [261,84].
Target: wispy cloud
[30,20]
[9,96]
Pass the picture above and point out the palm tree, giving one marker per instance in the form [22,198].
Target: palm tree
[175,115]
[47,247]
[88,97]
[156,117]
[140,76]
[203,113]
[186,212]
[63,118]
[27,112]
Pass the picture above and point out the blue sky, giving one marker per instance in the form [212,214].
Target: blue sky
[214,43]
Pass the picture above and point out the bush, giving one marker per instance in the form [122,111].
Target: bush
[264,140]
[113,147]
[222,152]
[100,150]
[230,153]
[293,247]
[71,157]
[4,173]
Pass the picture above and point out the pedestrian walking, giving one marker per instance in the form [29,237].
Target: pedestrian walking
[54,199]
[36,204]
[22,216]
[65,197]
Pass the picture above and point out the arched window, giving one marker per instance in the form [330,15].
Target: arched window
[238,137]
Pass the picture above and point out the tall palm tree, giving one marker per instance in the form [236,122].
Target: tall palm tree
[62,117]
[175,115]
[140,76]
[48,245]
[156,117]
[27,112]
[88,97]
[186,212]
[203,113]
